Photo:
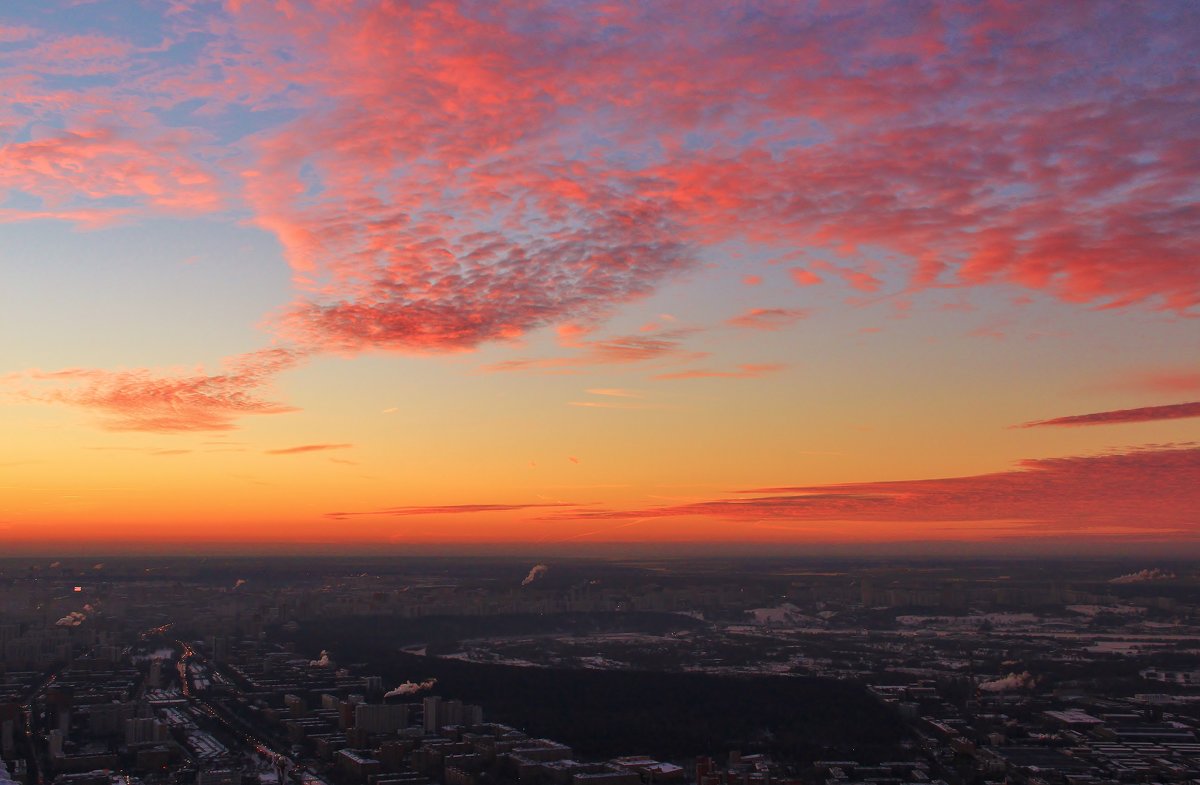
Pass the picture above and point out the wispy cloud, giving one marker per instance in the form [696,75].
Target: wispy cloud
[13,33]
[444,175]
[165,401]
[1146,491]
[625,399]
[102,162]
[1163,380]
[615,392]
[747,371]
[660,346]
[804,277]
[306,448]
[768,318]
[1174,411]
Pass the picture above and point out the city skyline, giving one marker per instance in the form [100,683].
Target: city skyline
[348,276]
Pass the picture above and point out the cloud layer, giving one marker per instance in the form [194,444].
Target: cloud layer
[1143,492]
[450,173]
[307,448]
[441,175]
[768,318]
[143,399]
[1174,411]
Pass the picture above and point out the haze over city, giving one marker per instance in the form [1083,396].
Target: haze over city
[578,277]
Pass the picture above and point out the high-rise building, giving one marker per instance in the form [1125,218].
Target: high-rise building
[433,707]
[381,718]
[144,730]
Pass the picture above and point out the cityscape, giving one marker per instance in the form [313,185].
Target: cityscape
[168,671]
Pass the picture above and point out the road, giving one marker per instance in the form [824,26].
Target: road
[269,748]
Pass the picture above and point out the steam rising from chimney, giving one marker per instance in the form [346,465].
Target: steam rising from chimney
[1013,681]
[410,688]
[72,619]
[537,572]
[1141,576]
[75,618]
[323,662]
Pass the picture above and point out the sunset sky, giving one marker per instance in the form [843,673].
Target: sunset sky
[334,274]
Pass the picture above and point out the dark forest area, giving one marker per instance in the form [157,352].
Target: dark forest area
[609,713]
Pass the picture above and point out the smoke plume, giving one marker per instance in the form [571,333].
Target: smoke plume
[1141,576]
[72,619]
[411,688]
[324,662]
[1013,681]
[537,572]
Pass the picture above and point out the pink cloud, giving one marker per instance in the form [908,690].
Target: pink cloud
[394,256]
[88,55]
[615,392]
[748,371]
[85,218]
[664,345]
[12,33]
[1162,381]
[393,251]
[441,175]
[143,399]
[82,137]
[752,280]
[1175,411]
[72,168]
[1146,491]
[804,277]
[857,278]
[768,318]
[307,448]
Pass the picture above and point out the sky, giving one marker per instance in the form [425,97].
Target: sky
[774,275]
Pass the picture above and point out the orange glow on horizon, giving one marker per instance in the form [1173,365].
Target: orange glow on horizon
[371,274]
